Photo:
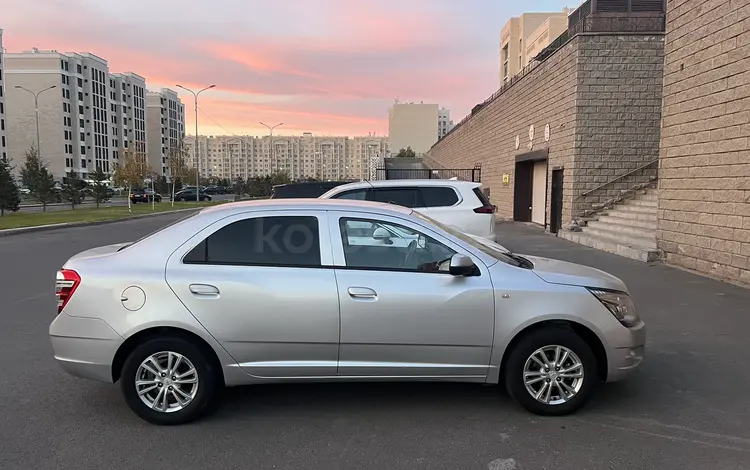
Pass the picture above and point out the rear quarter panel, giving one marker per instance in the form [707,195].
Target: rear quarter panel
[103,280]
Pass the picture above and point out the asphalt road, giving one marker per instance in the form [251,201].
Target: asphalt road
[687,408]
[31,207]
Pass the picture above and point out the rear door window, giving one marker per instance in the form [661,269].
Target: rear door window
[435,196]
[354,194]
[262,241]
[407,197]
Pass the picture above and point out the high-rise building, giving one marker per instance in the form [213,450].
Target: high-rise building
[3,137]
[127,105]
[445,124]
[165,119]
[306,156]
[523,37]
[74,113]
[413,125]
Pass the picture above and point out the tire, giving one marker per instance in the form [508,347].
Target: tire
[532,343]
[205,398]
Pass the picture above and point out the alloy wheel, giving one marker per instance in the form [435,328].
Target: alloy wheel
[553,374]
[166,382]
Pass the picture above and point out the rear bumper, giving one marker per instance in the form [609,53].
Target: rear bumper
[627,348]
[84,347]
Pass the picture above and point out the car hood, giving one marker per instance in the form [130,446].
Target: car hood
[571,274]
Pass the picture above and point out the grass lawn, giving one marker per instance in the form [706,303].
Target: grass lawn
[89,214]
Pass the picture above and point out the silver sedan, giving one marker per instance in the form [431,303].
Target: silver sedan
[330,290]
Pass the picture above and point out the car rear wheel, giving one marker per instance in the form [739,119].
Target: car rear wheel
[551,372]
[169,381]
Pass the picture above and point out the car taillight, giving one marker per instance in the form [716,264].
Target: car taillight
[66,284]
[486,209]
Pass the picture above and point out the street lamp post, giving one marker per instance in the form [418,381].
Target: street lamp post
[197,163]
[36,110]
[270,133]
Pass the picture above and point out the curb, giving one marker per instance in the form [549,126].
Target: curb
[44,228]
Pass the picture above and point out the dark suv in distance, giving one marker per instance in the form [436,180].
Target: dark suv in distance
[189,194]
[144,195]
[307,189]
[216,189]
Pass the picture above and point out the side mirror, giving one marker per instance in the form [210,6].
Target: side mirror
[381,234]
[462,265]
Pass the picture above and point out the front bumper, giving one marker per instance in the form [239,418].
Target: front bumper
[84,347]
[626,350]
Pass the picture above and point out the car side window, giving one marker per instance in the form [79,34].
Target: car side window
[383,245]
[406,197]
[355,194]
[262,241]
[436,196]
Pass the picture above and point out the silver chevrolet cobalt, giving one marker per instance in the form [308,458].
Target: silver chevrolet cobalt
[332,290]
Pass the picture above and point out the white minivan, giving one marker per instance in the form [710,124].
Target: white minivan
[460,204]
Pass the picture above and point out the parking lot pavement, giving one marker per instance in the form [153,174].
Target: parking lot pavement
[686,408]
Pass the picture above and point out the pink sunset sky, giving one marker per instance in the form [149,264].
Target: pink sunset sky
[331,67]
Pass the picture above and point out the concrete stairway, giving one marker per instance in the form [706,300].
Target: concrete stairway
[627,229]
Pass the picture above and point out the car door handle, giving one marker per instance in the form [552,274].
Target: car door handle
[204,290]
[362,293]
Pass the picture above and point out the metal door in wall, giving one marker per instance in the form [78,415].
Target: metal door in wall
[556,199]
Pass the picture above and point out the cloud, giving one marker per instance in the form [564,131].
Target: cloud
[329,66]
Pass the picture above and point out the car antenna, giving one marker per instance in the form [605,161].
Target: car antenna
[371,185]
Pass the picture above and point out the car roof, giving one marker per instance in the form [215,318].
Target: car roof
[407,182]
[306,203]
[309,183]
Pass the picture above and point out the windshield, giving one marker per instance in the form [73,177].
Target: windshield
[495,251]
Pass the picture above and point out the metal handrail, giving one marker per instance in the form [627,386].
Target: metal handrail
[645,165]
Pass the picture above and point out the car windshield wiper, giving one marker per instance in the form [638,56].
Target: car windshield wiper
[522,262]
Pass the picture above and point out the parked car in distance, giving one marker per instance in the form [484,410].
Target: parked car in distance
[303,189]
[460,204]
[144,195]
[189,194]
[205,303]
[215,189]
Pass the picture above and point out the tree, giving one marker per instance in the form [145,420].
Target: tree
[72,189]
[132,171]
[178,169]
[407,152]
[99,189]
[36,177]
[10,197]
[161,186]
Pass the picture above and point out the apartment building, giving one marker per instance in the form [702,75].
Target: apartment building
[523,37]
[306,156]
[3,137]
[73,109]
[414,125]
[127,105]
[445,124]
[165,127]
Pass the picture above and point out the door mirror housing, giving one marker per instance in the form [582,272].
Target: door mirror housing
[462,265]
[381,234]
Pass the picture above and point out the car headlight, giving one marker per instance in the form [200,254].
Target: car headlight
[620,304]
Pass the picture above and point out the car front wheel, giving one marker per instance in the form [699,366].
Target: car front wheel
[551,371]
[169,381]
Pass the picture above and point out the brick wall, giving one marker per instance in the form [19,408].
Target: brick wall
[704,186]
[601,96]
[619,114]
[546,95]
